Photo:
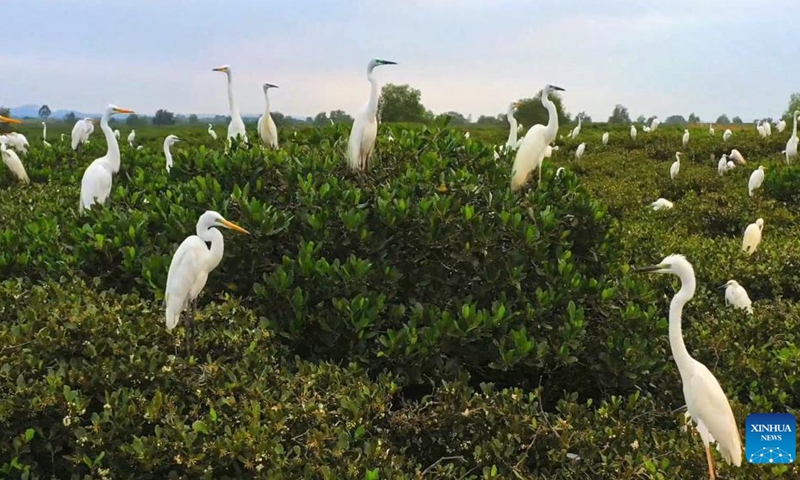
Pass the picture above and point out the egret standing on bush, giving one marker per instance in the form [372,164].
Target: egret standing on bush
[756,179]
[579,151]
[131,137]
[781,126]
[685,138]
[736,295]
[266,126]
[705,400]
[365,125]
[532,152]
[791,145]
[577,129]
[722,166]
[711,129]
[727,135]
[752,236]
[190,266]
[675,167]
[212,132]
[605,138]
[511,143]
[168,142]
[633,132]
[10,157]
[236,127]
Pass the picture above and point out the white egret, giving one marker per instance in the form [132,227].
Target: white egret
[791,145]
[731,165]
[13,163]
[633,132]
[662,203]
[212,132]
[722,166]
[767,127]
[685,139]
[645,129]
[44,131]
[495,154]
[780,126]
[191,264]
[236,127]
[18,141]
[752,236]
[737,157]
[548,152]
[365,125]
[466,135]
[711,129]
[736,295]
[97,179]
[706,402]
[605,138]
[577,129]
[727,135]
[117,133]
[81,131]
[756,179]
[654,123]
[676,166]
[266,126]
[511,143]
[559,172]
[520,129]
[131,137]
[168,142]
[62,137]
[531,153]
[579,151]
[140,147]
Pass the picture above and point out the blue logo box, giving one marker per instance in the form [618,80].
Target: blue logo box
[771,438]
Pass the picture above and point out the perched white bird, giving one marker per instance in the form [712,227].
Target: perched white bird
[548,152]
[236,127]
[731,165]
[662,203]
[131,138]
[390,138]
[466,135]
[97,178]
[781,126]
[13,163]
[81,131]
[579,151]
[365,125]
[62,137]
[791,145]
[706,402]
[531,153]
[168,142]
[520,129]
[140,147]
[212,132]
[577,129]
[767,127]
[191,264]
[737,157]
[760,129]
[18,141]
[752,236]
[633,132]
[685,138]
[117,134]
[676,166]
[605,138]
[511,143]
[44,131]
[711,129]
[756,179]
[726,135]
[736,295]
[654,123]
[645,129]
[266,126]
[496,154]
[722,166]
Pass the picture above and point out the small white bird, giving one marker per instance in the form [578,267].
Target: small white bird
[756,179]
[731,165]
[737,157]
[365,125]
[511,143]
[654,124]
[767,127]
[605,138]
[531,153]
[44,132]
[711,130]
[212,132]
[662,203]
[781,126]
[559,172]
[116,134]
[140,147]
[577,129]
[685,138]
[168,142]
[752,236]
[736,295]
[97,179]
[676,166]
[791,145]
[722,166]
[12,161]
[18,141]
[645,129]
[727,135]
[761,131]
[466,135]
[548,151]
[633,132]
[579,152]
[131,137]
[267,131]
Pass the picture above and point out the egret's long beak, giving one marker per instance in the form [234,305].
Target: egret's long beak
[235,227]
[387,62]
[553,87]
[651,268]
[9,120]
[723,286]
[269,85]
[123,110]
[220,69]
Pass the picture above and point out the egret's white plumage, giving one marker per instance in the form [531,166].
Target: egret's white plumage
[781,126]
[791,145]
[722,166]
[12,161]
[737,157]
[685,139]
[752,236]
[577,129]
[365,125]
[706,402]
[645,129]
[192,262]
[675,167]
[212,132]
[711,130]
[168,142]
[548,152]
[736,295]
[131,137]
[662,203]
[236,127]
[726,135]
[79,132]
[605,138]
[731,165]
[756,179]
[18,141]
[511,143]
[532,151]
[579,151]
[760,129]
[767,127]
[633,132]
[44,131]
[267,131]
[654,123]
[97,178]
[117,134]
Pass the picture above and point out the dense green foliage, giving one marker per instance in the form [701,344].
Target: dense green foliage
[416,321]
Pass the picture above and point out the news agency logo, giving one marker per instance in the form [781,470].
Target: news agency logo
[771,438]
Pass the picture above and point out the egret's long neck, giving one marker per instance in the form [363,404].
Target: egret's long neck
[679,352]
[217,246]
[266,100]
[372,105]
[112,155]
[168,155]
[794,127]
[231,102]
[512,122]
[580,121]
[44,131]
[552,121]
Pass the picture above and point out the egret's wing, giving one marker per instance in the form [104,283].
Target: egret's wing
[95,184]
[708,403]
[261,132]
[530,155]
[13,162]
[354,143]
[273,132]
[368,137]
[183,271]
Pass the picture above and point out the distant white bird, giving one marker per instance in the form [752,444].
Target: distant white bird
[706,402]
[791,145]
[662,203]
[767,127]
[62,137]
[577,129]
[390,138]
[548,152]
[676,166]
[752,236]
[511,143]
[495,154]
[579,151]
[97,178]
[140,147]
[559,172]
[737,157]
[531,153]
[731,165]
[756,179]
[266,126]
[685,138]
[654,123]
[212,132]
[168,142]
[131,137]
[466,135]
[236,127]
[18,141]
[365,126]
[736,295]
[645,129]
[711,130]
[44,131]
[722,166]
[781,126]
[726,135]
[520,129]
[605,138]
[79,130]
[116,134]
[633,132]
[13,163]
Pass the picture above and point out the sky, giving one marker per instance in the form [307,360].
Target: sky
[471,56]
